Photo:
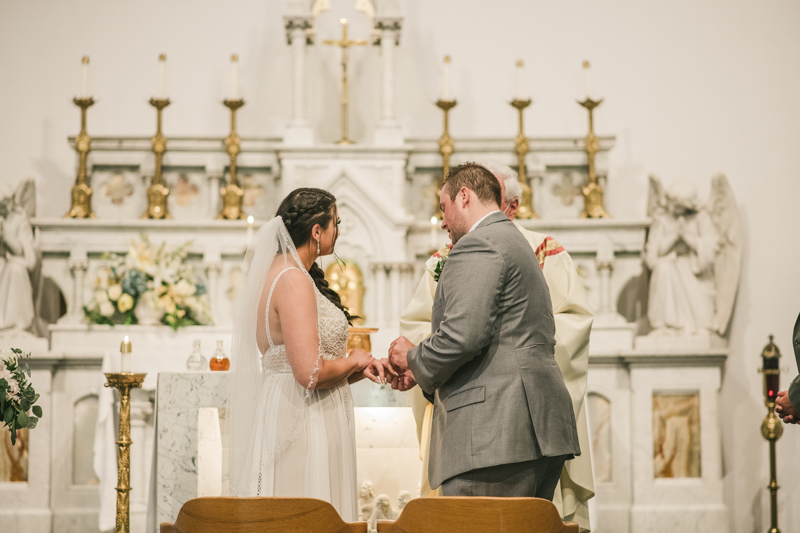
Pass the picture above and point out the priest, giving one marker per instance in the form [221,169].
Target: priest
[573,320]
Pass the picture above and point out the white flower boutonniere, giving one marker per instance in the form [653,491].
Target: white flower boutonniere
[435,264]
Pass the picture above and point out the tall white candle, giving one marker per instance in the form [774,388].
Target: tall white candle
[587,78]
[519,81]
[161,88]
[446,80]
[234,77]
[85,77]
[125,355]
[434,223]
[250,221]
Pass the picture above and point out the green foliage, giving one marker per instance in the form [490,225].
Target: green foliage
[17,398]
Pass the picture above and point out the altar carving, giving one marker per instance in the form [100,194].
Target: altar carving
[694,252]
[347,280]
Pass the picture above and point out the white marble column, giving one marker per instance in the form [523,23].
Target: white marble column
[379,276]
[78,265]
[212,261]
[298,131]
[394,279]
[610,329]
[388,132]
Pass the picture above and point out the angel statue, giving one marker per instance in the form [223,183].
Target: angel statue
[19,256]
[694,252]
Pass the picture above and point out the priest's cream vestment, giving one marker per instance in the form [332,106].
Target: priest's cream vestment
[573,319]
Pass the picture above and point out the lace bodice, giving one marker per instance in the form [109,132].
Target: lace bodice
[332,327]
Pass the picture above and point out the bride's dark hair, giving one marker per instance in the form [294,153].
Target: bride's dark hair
[301,210]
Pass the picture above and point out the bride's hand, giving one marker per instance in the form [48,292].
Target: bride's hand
[361,358]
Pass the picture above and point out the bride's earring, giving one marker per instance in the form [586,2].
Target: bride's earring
[317,248]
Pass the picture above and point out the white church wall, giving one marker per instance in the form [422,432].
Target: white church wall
[691,89]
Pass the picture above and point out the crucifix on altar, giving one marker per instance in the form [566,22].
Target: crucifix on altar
[344,44]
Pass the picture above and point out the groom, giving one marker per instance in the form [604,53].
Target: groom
[502,423]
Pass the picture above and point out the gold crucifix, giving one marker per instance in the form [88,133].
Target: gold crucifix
[344,44]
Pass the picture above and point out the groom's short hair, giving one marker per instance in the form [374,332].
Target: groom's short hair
[476,178]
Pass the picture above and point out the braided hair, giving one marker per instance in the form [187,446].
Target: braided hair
[301,210]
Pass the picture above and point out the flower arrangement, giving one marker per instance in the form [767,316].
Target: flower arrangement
[16,393]
[435,264]
[150,284]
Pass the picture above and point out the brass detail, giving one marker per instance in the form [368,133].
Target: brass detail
[344,43]
[232,193]
[771,429]
[124,382]
[348,282]
[446,148]
[593,192]
[359,339]
[525,210]
[157,193]
[81,195]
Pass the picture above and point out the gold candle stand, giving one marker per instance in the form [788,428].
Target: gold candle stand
[232,193]
[124,382]
[157,193]
[771,427]
[593,192]
[525,210]
[81,206]
[446,147]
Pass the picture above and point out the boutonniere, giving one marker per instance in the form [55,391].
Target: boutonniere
[435,264]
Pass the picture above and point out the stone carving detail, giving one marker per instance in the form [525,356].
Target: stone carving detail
[694,253]
[599,409]
[366,501]
[383,511]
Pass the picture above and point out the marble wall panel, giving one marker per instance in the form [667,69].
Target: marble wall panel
[119,191]
[599,409]
[188,193]
[676,435]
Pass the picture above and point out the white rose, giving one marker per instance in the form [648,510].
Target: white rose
[430,264]
[13,389]
[101,297]
[6,373]
[125,303]
[184,288]
[6,355]
[114,292]
[106,308]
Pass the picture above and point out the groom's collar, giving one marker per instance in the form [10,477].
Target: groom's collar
[490,218]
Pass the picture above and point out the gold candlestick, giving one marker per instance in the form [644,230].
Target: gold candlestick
[157,193]
[446,147]
[344,43]
[771,427]
[124,382]
[593,192]
[232,193]
[81,205]
[525,210]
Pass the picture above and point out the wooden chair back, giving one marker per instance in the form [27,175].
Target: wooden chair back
[479,515]
[260,515]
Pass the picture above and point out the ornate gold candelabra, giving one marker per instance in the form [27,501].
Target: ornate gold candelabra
[771,427]
[344,43]
[81,206]
[157,193]
[446,147]
[593,192]
[124,382]
[232,193]
[525,210]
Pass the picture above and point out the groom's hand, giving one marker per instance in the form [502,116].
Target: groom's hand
[398,354]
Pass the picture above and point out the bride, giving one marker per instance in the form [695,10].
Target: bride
[291,412]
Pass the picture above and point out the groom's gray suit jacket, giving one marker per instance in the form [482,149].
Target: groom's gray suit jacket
[498,393]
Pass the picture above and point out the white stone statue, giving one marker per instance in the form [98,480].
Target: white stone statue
[694,253]
[383,511]
[366,501]
[19,257]
[402,500]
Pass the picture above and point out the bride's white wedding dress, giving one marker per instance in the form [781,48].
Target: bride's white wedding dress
[302,441]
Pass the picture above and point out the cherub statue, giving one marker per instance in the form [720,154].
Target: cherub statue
[366,501]
[694,252]
[383,511]
[19,256]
